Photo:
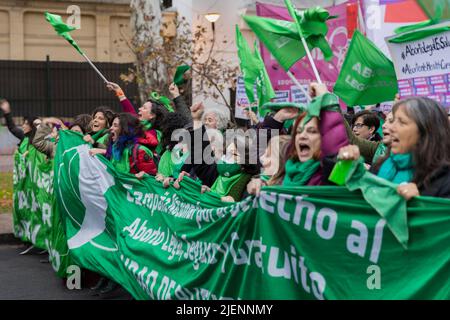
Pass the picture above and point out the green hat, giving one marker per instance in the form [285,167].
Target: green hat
[178,79]
[280,105]
[155,96]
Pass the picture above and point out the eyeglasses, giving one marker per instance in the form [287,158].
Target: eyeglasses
[359,125]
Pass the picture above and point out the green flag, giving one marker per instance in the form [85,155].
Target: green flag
[280,37]
[178,78]
[264,87]
[367,76]
[248,64]
[254,72]
[287,243]
[311,25]
[436,9]
[62,29]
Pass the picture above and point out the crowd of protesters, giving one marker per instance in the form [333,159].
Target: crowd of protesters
[409,146]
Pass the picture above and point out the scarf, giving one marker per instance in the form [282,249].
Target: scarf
[397,168]
[298,173]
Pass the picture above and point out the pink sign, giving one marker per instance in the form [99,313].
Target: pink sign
[337,37]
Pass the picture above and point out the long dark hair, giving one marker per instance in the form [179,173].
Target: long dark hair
[432,151]
[30,120]
[160,113]
[107,112]
[130,131]
[172,122]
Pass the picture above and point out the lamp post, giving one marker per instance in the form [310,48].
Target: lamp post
[212,17]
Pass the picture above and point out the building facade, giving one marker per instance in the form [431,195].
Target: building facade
[104,29]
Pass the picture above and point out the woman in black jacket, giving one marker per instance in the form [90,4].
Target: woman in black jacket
[29,126]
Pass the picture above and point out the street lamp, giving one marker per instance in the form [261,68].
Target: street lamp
[212,17]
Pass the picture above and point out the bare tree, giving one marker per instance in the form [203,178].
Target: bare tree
[157,57]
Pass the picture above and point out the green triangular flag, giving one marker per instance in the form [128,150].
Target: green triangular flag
[367,76]
[178,79]
[62,29]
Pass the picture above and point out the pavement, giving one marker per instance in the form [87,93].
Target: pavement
[26,277]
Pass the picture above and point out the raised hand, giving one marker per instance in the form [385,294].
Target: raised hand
[174,91]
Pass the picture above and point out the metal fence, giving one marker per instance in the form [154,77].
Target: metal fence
[61,89]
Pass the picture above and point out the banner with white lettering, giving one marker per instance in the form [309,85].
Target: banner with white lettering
[288,243]
[35,218]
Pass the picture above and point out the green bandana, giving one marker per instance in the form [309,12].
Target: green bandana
[298,173]
[398,168]
[228,169]
[23,147]
[171,162]
[223,185]
[100,136]
[162,100]
[146,124]
[123,164]
[326,102]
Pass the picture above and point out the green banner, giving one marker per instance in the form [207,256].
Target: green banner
[288,243]
[35,217]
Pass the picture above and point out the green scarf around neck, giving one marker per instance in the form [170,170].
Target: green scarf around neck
[298,173]
[223,185]
[398,168]
[100,135]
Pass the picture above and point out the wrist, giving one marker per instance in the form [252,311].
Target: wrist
[120,94]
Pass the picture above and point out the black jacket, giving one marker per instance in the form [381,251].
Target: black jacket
[16,131]
[439,185]
[196,166]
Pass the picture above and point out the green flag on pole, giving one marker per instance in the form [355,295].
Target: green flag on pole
[264,87]
[280,37]
[367,75]
[254,71]
[311,25]
[62,29]
[248,65]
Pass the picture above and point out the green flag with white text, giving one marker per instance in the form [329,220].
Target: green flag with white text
[35,216]
[367,76]
[287,243]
